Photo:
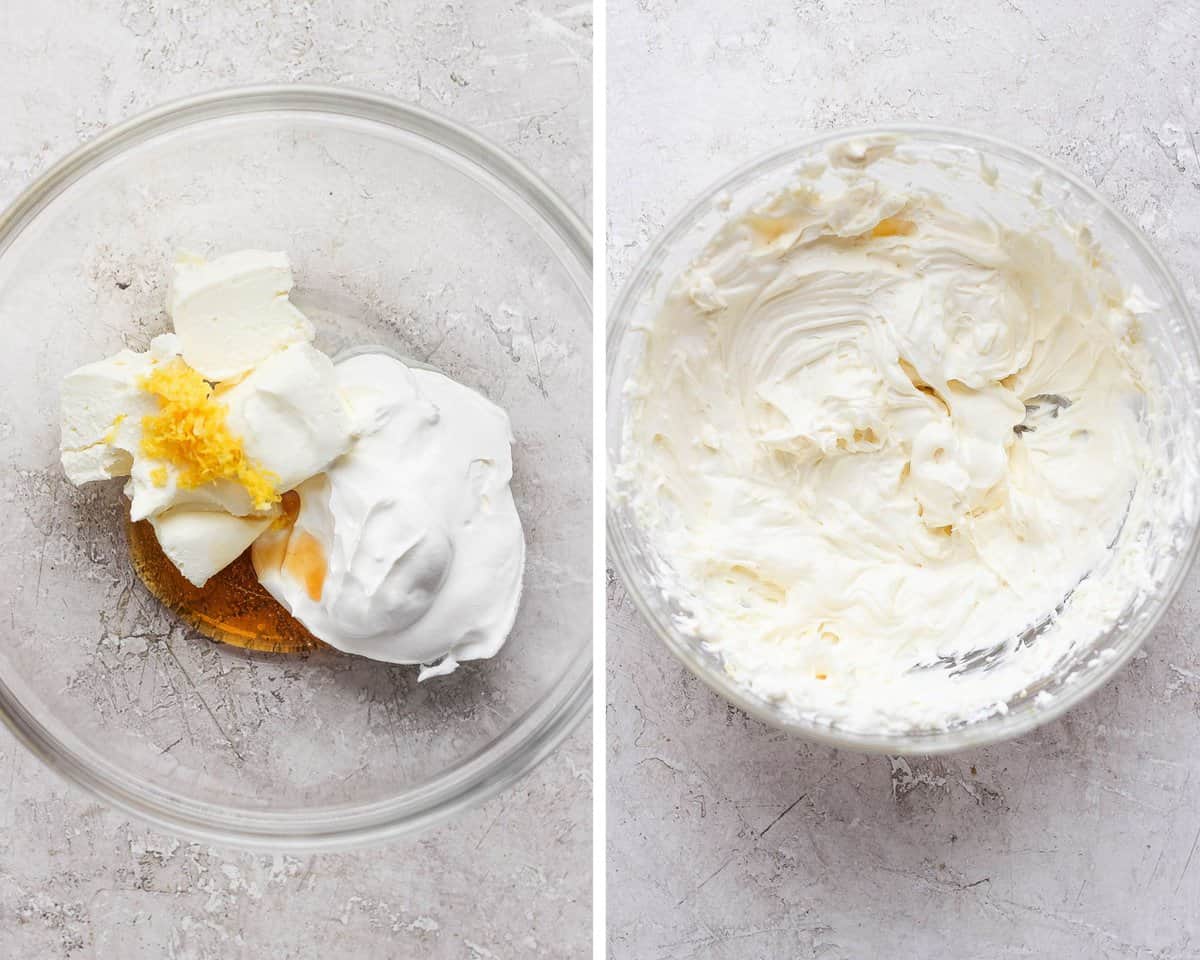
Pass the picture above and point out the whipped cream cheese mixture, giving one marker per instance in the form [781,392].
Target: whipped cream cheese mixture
[406,547]
[877,438]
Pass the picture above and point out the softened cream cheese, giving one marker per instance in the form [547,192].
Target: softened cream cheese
[232,320]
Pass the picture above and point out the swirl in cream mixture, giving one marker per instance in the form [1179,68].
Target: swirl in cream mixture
[874,434]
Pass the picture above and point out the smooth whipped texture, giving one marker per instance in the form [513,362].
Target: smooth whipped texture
[877,440]
[422,549]
[406,546]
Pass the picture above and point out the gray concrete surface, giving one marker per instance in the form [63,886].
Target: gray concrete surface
[509,879]
[729,840]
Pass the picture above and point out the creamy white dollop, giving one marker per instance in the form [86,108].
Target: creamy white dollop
[408,548]
[876,438]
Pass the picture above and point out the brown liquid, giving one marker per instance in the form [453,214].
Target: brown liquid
[233,607]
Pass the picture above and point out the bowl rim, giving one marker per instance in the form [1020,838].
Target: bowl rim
[535,733]
[996,727]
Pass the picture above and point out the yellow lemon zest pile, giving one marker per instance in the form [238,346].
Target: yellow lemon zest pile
[189,432]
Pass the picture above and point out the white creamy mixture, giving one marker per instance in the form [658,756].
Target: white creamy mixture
[873,434]
[407,546]
[422,540]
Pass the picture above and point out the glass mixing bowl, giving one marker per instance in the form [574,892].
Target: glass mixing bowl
[954,165]
[405,231]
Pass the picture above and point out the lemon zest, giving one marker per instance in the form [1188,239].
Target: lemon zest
[191,433]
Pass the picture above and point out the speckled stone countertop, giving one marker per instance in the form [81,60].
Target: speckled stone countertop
[730,840]
[512,878]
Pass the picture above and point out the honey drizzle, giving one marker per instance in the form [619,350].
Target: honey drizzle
[233,607]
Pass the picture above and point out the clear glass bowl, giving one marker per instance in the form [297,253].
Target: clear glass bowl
[1168,331]
[405,231]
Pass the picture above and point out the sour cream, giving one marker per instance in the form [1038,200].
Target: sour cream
[408,548]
